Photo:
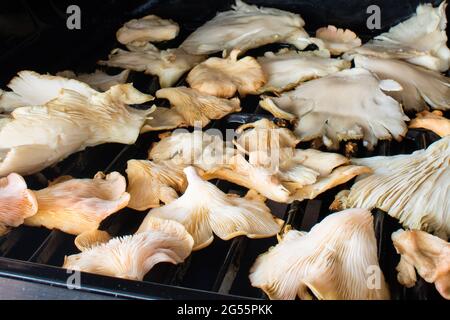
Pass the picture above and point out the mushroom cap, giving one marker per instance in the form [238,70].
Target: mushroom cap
[79,205]
[223,77]
[204,209]
[150,28]
[427,254]
[350,104]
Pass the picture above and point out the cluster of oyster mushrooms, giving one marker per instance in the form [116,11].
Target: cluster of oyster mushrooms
[341,91]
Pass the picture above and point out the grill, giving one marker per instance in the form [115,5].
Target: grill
[221,270]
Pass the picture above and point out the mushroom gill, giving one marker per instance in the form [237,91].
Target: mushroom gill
[132,257]
[413,188]
[336,260]
[16,202]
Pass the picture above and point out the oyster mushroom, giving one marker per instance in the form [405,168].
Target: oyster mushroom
[79,205]
[33,89]
[132,257]
[35,137]
[288,68]
[412,188]
[427,254]
[246,27]
[196,108]
[420,40]
[98,80]
[91,238]
[150,183]
[16,202]
[350,104]
[338,40]
[204,209]
[434,121]
[203,150]
[336,260]
[264,135]
[169,65]
[164,119]
[263,180]
[150,28]
[222,77]
[420,86]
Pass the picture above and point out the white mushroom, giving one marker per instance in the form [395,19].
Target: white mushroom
[246,27]
[201,149]
[349,104]
[434,121]
[224,77]
[336,260]
[98,80]
[427,254]
[32,89]
[196,108]
[169,65]
[288,68]
[132,257]
[150,183]
[150,28]
[420,40]
[79,205]
[412,188]
[420,86]
[204,209]
[16,202]
[37,136]
[91,238]
[163,119]
[338,40]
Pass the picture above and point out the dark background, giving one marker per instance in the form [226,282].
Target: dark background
[33,34]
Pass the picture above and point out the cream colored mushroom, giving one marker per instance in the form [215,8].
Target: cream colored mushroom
[420,40]
[427,254]
[420,86]
[336,260]
[223,77]
[434,121]
[288,68]
[197,108]
[150,28]
[169,65]
[163,119]
[413,188]
[132,257]
[338,40]
[79,205]
[150,183]
[37,136]
[98,80]
[205,210]
[16,202]
[350,104]
[200,149]
[247,26]
[91,238]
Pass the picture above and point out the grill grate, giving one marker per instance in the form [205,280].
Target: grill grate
[218,271]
